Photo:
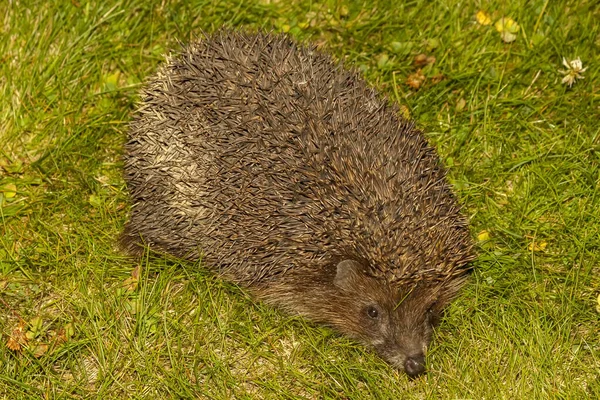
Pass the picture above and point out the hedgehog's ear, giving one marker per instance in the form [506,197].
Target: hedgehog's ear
[346,272]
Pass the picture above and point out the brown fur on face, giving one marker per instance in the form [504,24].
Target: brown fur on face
[396,321]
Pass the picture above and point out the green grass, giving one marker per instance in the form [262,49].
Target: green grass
[523,152]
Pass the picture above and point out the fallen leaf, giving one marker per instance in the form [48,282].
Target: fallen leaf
[17,339]
[60,337]
[422,60]
[13,344]
[437,78]
[9,190]
[64,334]
[415,80]
[130,284]
[483,236]
[39,350]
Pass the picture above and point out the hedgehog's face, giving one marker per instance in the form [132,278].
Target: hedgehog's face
[398,324]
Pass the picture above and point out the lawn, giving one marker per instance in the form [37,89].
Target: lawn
[78,319]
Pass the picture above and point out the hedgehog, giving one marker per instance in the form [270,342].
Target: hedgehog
[284,172]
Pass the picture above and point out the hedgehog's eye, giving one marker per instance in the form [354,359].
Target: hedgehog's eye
[430,311]
[432,315]
[372,312]
[432,308]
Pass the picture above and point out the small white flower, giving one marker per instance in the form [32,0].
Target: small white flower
[573,72]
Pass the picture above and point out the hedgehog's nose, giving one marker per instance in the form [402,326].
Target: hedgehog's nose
[415,365]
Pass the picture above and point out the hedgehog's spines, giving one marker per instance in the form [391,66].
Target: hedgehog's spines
[273,163]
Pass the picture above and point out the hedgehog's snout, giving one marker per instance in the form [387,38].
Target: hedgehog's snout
[411,359]
[414,365]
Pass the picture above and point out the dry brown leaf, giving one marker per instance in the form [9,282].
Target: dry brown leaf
[131,284]
[422,60]
[39,350]
[13,345]
[415,80]
[437,78]
[17,339]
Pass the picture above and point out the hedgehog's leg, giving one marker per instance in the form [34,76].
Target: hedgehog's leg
[131,241]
